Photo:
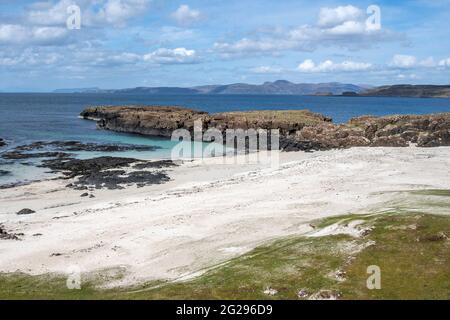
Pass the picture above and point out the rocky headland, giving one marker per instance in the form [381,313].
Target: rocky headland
[299,129]
[411,91]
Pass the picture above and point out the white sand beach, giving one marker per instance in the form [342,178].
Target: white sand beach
[207,214]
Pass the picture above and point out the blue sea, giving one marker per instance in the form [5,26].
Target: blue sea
[26,118]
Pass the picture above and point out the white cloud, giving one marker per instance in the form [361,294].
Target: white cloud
[249,45]
[308,66]
[17,34]
[342,26]
[117,12]
[29,58]
[93,12]
[347,28]
[266,70]
[428,62]
[185,15]
[412,76]
[172,56]
[403,61]
[445,63]
[331,17]
[47,13]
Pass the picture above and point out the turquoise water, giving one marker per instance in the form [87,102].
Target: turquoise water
[25,118]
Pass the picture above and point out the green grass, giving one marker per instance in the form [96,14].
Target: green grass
[411,248]
[305,117]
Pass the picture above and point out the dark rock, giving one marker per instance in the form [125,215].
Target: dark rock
[4,172]
[107,172]
[79,146]
[26,211]
[441,236]
[389,141]
[434,139]
[56,254]
[85,194]
[5,235]
[19,155]
[2,142]
[155,164]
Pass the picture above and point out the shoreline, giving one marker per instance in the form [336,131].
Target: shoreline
[207,213]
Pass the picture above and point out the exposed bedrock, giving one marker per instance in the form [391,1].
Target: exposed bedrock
[110,172]
[162,121]
[299,129]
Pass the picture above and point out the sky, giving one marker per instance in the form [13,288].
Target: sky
[46,45]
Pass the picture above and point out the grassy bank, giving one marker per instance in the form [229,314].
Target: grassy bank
[412,249]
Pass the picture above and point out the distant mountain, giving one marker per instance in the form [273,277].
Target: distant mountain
[277,87]
[406,90]
[79,90]
[280,87]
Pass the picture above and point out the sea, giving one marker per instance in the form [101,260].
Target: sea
[31,117]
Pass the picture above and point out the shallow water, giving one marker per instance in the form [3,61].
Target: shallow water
[25,118]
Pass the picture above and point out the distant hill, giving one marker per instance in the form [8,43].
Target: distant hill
[406,90]
[79,90]
[277,87]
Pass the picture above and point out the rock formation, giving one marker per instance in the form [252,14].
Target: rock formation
[162,121]
[391,131]
[299,129]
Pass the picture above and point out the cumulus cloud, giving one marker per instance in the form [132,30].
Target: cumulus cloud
[445,63]
[94,12]
[308,66]
[48,13]
[18,34]
[118,12]
[172,56]
[184,15]
[343,26]
[331,17]
[403,61]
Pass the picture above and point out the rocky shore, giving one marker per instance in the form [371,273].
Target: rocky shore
[299,129]
[96,173]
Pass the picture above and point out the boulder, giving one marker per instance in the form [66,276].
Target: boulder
[26,211]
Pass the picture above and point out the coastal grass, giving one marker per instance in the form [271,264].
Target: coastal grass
[305,117]
[412,249]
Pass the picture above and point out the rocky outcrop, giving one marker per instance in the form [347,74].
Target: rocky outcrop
[391,131]
[299,129]
[162,121]
[154,121]
[110,172]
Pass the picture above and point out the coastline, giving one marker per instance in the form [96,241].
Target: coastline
[176,229]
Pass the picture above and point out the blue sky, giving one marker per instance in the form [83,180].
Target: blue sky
[128,43]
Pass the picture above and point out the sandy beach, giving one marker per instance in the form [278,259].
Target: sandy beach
[208,212]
